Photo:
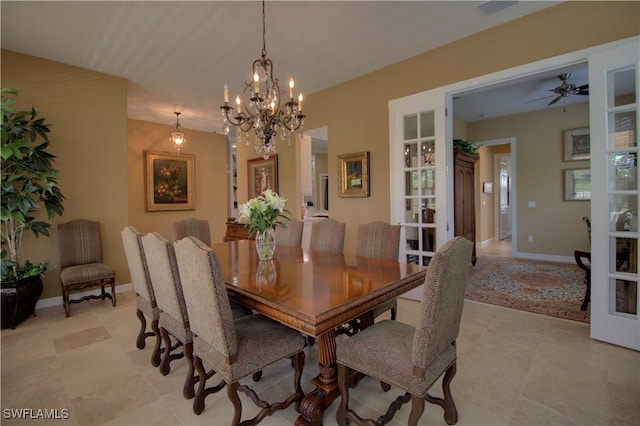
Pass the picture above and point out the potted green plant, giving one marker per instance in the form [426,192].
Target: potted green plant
[460,145]
[29,182]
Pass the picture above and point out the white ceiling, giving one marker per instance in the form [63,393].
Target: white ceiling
[177,55]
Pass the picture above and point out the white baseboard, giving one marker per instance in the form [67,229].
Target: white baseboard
[57,301]
[545,257]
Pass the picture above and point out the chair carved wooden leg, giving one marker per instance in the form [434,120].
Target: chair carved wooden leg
[343,372]
[165,368]
[298,364]
[155,356]
[232,393]
[450,411]
[198,402]
[142,334]
[417,408]
[188,391]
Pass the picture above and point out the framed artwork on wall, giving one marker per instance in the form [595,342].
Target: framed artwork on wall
[169,181]
[577,184]
[577,144]
[353,175]
[263,174]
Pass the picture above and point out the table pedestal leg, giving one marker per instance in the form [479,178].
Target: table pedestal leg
[316,402]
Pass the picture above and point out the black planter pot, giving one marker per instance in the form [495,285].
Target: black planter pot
[19,300]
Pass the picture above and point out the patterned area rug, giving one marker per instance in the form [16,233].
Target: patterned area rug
[554,289]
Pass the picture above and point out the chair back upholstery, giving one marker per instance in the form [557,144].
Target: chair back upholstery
[291,236]
[132,242]
[206,295]
[378,240]
[165,279]
[442,301]
[192,227]
[80,242]
[327,235]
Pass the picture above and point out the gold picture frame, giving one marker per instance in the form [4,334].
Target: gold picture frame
[169,182]
[353,175]
[577,144]
[262,175]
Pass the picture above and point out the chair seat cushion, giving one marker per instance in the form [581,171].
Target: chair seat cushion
[383,351]
[86,273]
[237,310]
[261,342]
[145,306]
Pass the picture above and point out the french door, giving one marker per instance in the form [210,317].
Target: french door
[614,76]
[418,153]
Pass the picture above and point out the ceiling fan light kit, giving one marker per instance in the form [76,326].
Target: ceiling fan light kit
[567,89]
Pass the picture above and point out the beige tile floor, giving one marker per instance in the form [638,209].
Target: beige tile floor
[514,368]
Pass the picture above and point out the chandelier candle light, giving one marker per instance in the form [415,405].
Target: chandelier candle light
[262,111]
[177,137]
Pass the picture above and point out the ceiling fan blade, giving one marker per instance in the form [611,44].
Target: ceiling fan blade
[582,90]
[555,100]
[536,100]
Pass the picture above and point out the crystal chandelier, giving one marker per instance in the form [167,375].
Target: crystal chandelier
[177,137]
[262,112]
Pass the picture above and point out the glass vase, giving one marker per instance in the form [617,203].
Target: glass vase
[266,244]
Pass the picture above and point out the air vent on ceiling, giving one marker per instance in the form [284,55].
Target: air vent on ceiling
[495,5]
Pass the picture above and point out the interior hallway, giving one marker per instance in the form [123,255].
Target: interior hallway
[514,368]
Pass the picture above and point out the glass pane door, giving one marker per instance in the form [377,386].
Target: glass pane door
[419,168]
[613,86]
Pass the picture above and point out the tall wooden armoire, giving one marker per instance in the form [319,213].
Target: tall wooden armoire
[464,198]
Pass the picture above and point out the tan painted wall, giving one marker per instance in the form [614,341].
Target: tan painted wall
[88,111]
[356,112]
[554,223]
[211,185]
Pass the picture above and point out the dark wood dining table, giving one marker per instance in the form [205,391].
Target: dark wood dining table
[313,292]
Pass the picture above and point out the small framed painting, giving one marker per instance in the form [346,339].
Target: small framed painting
[353,175]
[577,144]
[577,184]
[169,182]
[263,174]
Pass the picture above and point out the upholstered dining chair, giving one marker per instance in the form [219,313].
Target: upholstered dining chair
[81,267]
[192,227]
[413,358]
[234,348]
[173,318]
[291,236]
[379,240]
[145,298]
[327,235]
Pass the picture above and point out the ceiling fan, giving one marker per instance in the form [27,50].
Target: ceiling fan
[567,89]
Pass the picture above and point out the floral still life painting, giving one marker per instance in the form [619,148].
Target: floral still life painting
[169,181]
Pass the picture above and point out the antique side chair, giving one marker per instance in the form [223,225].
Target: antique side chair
[234,347]
[327,235]
[81,267]
[173,319]
[379,240]
[145,298]
[412,358]
[291,236]
[192,227]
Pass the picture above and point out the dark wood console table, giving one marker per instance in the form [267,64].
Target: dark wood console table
[236,231]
